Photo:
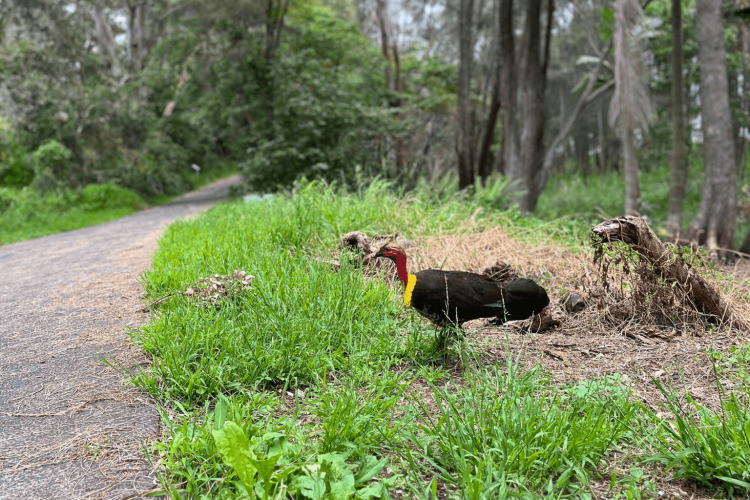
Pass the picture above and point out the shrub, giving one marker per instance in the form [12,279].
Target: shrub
[15,168]
[107,196]
[51,165]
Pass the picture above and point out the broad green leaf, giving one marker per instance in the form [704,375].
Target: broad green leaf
[277,443]
[235,452]
[265,467]
[344,488]
[318,489]
[332,470]
[220,414]
[339,458]
[369,469]
[303,485]
[372,491]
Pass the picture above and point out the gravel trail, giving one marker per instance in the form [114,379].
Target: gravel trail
[70,426]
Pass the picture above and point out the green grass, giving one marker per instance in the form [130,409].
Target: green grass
[26,213]
[319,384]
[333,361]
[710,448]
[510,432]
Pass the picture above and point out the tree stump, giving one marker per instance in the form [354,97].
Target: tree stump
[636,233]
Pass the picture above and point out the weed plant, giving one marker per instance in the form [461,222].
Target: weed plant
[710,448]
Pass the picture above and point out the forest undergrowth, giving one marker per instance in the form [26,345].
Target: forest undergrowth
[597,196]
[303,382]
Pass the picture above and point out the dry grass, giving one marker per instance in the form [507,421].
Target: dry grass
[596,341]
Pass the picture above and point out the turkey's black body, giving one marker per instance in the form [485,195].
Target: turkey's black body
[455,297]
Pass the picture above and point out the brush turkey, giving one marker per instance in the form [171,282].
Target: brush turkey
[454,297]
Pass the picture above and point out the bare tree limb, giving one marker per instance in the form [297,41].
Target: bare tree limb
[607,86]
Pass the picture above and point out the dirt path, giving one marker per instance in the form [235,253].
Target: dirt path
[69,426]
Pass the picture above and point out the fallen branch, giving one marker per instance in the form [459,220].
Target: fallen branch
[634,231]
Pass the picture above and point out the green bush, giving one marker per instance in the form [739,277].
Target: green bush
[107,196]
[51,166]
[329,115]
[15,168]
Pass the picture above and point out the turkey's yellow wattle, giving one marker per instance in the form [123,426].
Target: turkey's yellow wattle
[410,282]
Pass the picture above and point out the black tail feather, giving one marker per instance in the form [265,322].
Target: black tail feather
[523,298]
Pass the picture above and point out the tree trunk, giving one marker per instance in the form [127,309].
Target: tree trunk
[601,157]
[464,149]
[136,50]
[484,167]
[381,10]
[589,94]
[392,82]
[400,150]
[582,146]
[533,104]
[507,82]
[679,167]
[275,14]
[140,36]
[106,38]
[630,101]
[630,161]
[129,32]
[744,36]
[718,208]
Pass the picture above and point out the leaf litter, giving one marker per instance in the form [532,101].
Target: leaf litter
[213,289]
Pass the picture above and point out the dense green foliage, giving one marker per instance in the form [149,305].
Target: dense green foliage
[205,90]
[319,108]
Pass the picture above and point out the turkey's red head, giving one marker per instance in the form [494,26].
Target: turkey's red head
[394,252]
[391,251]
